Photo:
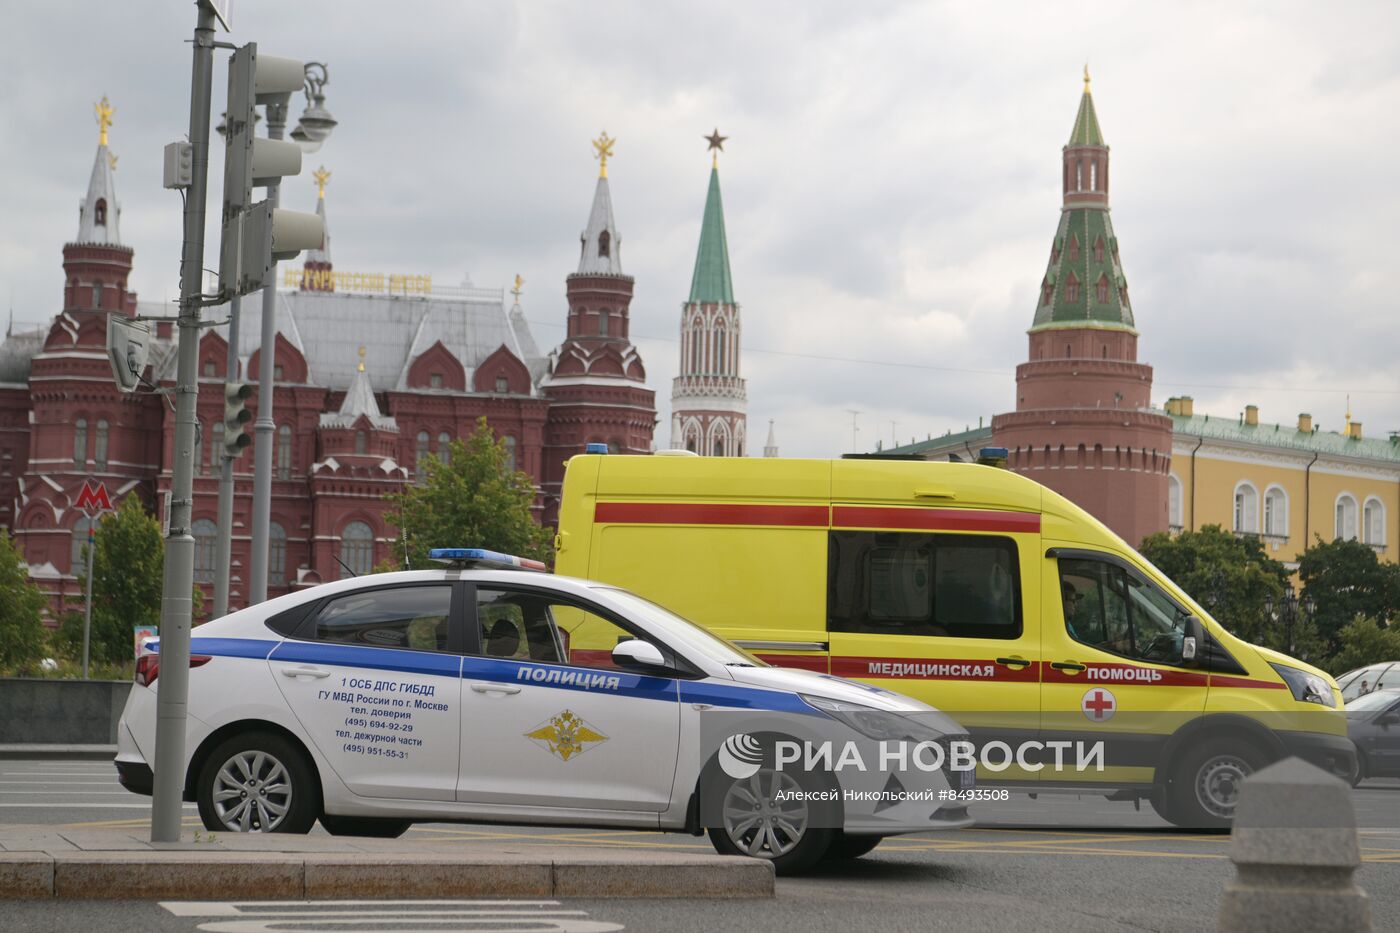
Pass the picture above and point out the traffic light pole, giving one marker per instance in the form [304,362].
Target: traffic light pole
[176,604]
[264,429]
[223,547]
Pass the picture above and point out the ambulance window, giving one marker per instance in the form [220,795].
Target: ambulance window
[398,617]
[1108,608]
[955,586]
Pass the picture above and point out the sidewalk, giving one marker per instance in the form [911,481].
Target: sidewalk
[105,864]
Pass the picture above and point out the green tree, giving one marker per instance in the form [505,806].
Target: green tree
[1345,580]
[22,635]
[1364,641]
[126,583]
[1230,576]
[471,499]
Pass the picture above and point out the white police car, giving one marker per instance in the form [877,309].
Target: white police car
[480,693]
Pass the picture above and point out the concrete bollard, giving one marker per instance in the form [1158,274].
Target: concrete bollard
[1295,848]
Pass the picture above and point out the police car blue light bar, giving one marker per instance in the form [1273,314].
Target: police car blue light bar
[595,448]
[480,557]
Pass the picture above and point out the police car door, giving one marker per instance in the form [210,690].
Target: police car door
[549,720]
[373,678]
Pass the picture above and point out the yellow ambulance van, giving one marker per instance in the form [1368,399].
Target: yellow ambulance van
[968,587]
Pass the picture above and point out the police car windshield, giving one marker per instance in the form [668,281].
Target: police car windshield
[1373,701]
[696,637]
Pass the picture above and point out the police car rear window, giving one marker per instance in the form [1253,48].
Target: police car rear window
[893,583]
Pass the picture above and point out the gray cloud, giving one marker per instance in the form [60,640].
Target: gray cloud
[891,185]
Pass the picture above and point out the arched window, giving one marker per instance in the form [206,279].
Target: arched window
[1074,247]
[1174,502]
[1373,525]
[204,532]
[604,318]
[604,244]
[99,212]
[356,550]
[276,555]
[1246,508]
[216,445]
[444,441]
[719,447]
[1072,288]
[78,551]
[1094,176]
[1047,291]
[361,443]
[719,349]
[420,456]
[284,451]
[1098,250]
[80,442]
[502,384]
[99,447]
[510,452]
[1103,297]
[1346,517]
[1078,177]
[1276,512]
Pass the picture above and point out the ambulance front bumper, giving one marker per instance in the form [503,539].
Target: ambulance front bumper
[1335,754]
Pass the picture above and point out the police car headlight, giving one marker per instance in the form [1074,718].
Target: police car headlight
[1307,688]
[875,723]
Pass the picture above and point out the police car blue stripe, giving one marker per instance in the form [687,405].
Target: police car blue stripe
[379,659]
[227,647]
[563,677]
[717,694]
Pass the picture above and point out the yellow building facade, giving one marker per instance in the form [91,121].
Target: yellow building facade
[1286,484]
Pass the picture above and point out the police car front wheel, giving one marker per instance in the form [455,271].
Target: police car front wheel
[257,782]
[766,816]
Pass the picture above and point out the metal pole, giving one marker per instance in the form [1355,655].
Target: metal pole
[172,692]
[223,546]
[264,427]
[87,601]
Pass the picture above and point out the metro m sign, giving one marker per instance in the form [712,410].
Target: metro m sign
[93,498]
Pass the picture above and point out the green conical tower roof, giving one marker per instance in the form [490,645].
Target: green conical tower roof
[1084,284]
[711,281]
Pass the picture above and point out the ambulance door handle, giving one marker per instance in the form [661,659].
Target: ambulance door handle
[930,493]
[1014,662]
[1070,666]
[495,688]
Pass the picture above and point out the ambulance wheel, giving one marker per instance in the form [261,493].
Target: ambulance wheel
[757,822]
[257,782]
[377,827]
[1206,785]
[845,846]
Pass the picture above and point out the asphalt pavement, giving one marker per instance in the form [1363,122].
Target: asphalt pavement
[1053,863]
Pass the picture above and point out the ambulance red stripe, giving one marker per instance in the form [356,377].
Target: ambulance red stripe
[686,513]
[1127,675]
[977,669]
[1219,680]
[856,516]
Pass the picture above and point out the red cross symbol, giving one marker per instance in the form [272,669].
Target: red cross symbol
[1098,704]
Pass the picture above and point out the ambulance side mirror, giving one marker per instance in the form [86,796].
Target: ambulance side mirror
[635,653]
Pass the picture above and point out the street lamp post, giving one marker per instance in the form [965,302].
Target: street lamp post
[1288,610]
[311,131]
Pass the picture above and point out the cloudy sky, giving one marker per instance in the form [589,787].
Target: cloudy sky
[891,184]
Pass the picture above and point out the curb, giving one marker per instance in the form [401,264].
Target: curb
[59,752]
[251,875]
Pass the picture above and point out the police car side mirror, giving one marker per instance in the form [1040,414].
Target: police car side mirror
[1386,720]
[635,653]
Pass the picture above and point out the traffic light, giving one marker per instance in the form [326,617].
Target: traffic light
[236,415]
[254,235]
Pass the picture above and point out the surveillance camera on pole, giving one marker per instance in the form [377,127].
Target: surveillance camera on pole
[128,348]
[256,234]
[236,415]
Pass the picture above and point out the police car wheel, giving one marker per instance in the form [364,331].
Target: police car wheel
[759,823]
[377,827]
[1207,785]
[257,782]
[845,846]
